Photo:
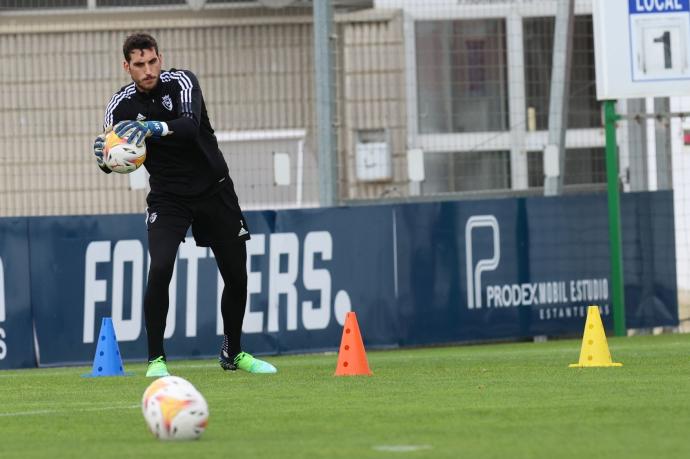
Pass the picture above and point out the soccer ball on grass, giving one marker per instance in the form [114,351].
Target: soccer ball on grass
[174,409]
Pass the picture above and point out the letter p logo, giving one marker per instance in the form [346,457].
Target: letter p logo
[474,276]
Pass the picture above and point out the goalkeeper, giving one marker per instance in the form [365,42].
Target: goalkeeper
[190,186]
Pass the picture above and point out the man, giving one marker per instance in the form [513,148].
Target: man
[190,186]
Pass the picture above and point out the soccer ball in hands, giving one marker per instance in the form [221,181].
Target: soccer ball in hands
[121,156]
[174,409]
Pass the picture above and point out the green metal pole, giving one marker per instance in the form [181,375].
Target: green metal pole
[615,243]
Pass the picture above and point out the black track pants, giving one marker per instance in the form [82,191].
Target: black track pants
[231,257]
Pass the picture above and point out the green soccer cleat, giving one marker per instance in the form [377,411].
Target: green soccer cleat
[157,368]
[246,362]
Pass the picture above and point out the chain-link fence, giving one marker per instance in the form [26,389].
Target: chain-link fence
[432,99]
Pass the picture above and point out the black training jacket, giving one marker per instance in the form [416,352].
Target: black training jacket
[187,162]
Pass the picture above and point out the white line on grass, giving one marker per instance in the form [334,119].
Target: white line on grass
[57,371]
[62,410]
[400,448]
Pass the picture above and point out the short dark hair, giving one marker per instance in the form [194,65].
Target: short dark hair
[138,41]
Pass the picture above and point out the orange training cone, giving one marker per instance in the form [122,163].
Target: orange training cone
[595,349]
[352,359]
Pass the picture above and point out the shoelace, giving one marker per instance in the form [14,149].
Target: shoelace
[239,357]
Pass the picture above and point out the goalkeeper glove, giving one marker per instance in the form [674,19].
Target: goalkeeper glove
[98,145]
[137,131]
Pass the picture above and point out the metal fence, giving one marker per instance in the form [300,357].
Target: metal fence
[432,100]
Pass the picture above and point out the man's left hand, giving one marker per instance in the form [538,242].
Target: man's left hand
[137,132]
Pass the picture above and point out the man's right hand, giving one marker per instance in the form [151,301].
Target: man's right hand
[98,145]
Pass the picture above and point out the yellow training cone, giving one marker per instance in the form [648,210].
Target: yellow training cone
[595,349]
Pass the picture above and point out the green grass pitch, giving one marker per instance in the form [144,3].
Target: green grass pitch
[484,401]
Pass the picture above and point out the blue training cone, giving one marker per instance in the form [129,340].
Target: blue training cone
[107,361]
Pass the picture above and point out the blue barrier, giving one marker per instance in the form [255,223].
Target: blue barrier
[16,332]
[415,274]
